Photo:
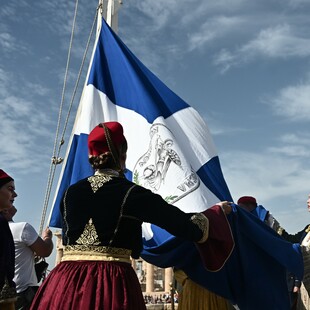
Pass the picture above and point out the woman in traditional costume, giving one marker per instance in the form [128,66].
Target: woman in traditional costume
[7,250]
[102,218]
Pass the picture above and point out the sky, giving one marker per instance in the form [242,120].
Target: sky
[243,65]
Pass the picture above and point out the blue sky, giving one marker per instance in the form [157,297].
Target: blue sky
[244,65]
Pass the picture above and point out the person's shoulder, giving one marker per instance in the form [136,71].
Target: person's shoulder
[80,182]
[78,187]
[22,227]
[24,232]
[123,183]
[17,224]
[140,190]
[126,181]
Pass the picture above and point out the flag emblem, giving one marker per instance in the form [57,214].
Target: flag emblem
[163,167]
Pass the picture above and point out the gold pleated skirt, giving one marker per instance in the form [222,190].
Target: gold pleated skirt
[196,297]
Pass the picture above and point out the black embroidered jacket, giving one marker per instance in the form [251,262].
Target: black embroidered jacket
[117,207]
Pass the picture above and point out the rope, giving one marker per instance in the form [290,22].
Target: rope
[55,158]
[80,73]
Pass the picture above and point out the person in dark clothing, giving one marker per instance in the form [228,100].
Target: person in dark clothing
[298,293]
[7,255]
[249,203]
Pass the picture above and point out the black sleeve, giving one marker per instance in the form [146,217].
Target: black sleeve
[294,238]
[152,208]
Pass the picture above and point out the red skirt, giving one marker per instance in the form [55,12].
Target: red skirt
[90,285]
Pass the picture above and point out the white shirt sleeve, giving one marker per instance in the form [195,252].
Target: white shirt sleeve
[29,235]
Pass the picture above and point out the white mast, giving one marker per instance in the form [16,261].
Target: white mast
[110,12]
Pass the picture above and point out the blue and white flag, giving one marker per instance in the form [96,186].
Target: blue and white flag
[171,152]
[170,149]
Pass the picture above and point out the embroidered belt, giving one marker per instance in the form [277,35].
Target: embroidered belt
[95,253]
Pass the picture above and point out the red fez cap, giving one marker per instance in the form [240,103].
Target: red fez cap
[98,142]
[4,178]
[247,199]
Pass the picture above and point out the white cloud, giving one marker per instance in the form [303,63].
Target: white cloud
[293,151]
[5,77]
[214,28]
[300,139]
[7,42]
[264,174]
[225,59]
[11,9]
[60,15]
[20,145]
[292,102]
[278,180]
[25,125]
[7,11]
[292,145]
[36,89]
[159,11]
[277,176]
[218,127]
[280,41]
[298,3]
[204,9]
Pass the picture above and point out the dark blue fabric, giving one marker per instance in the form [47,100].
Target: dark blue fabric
[254,277]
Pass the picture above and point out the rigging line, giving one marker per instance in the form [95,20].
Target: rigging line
[55,158]
[79,75]
[53,164]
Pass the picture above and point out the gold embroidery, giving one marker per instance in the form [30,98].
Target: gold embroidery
[101,177]
[97,181]
[66,226]
[203,224]
[96,249]
[306,259]
[280,230]
[95,253]
[89,236]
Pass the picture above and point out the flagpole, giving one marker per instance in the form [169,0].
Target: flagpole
[110,12]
